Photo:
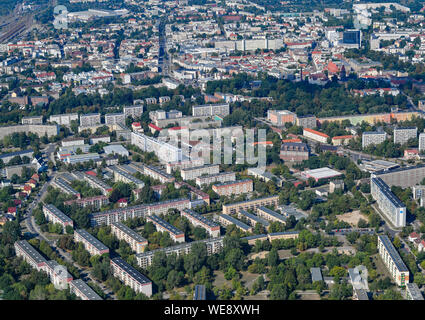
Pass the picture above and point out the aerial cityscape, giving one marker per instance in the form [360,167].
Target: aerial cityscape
[212,150]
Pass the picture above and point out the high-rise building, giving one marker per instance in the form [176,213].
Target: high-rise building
[402,135]
[373,137]
[393,209]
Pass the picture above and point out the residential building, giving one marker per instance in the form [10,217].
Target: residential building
[65,187]
[64,119]
[218,177]
[135,240]
[164,151]
[131,277]
[90,119]
[161,225]
[233,208]
[96,202]
[82,290]
[421,141]
[54,215]
[32,120]
[211,110]
[402,135]
[393,261]
[280,117]
[309,121]
[233,187]
[315,135]
[113,118]
[212,228]
[393,209]
[214,245]
[121,175]
[253,219]
[270,215]
[373,137]
[29,254]
[413,292]
[135,111]
[194,172]
[227,220]
[91,244]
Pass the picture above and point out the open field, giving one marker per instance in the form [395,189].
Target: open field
[352,217]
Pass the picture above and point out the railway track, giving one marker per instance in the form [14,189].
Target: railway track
[16,29]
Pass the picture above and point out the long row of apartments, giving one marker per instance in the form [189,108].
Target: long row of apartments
[57,274]
[388,203]
[214,245]
[138,211]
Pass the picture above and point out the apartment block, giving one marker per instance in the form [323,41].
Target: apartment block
[253,219]
[97,183]
[402,135]
[121,175]
[96,202]
[308,121]
[115,215]
[218,177]
[403,176]
[373,137]
[64,119]
[131,277]
[157,174]
[422,141]
[113,118]
[214,245]
[393,261]
[393,209]
[233,187]
[315,135]
[69,142]
[212,228]
[82,290]
[233,208]
[29,254]
[183,164]
[227,220]
[54,215]
[135,111]
[91,244]
[164,151]
[32,120]
[193,173]
[135,240]
[270,215]
[90,119]
[161,225]
[280,117]
[211,110]
[65,187]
